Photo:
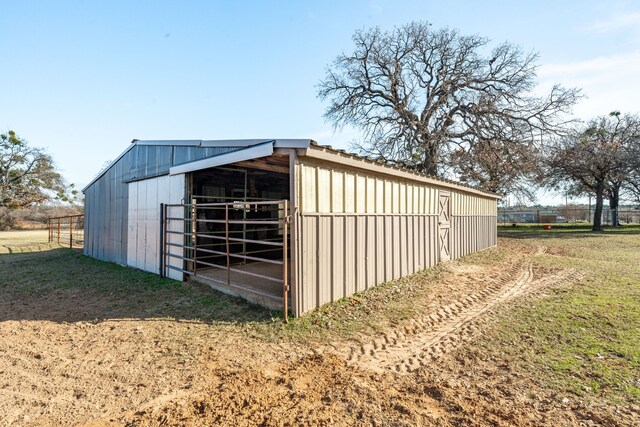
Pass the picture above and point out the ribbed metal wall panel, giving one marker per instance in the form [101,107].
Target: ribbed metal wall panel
[472,233]
[143,236]
[106,203]
[349,253]
[357,229]
[332,189]
[107,198]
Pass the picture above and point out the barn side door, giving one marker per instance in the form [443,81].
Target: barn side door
[444,225]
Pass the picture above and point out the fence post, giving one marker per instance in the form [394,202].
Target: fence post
[58,230]
[49,229]
[71,232]
[226,235]
[162,228]
[194,232]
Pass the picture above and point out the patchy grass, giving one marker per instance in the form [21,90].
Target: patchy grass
[25,241]
[363,313]
[379,308]
[562,229]
[583,339]
[113,291]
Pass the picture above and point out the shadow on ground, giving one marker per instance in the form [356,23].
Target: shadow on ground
[62,285]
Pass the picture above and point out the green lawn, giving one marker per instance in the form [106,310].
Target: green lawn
[40,272]
[24,241]
[583,338]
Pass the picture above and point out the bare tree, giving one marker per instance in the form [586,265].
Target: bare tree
[499,168]
[631,182]
[633,185]
[627,132]
[420,95]
[594,159]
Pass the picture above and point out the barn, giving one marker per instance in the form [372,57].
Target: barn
[284,223]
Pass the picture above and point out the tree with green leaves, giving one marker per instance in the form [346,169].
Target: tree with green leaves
[28,176]
[437,101]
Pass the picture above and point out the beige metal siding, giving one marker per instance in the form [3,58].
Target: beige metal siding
[357,229]
[474,223]
[472,234]
[326,188]
[346,254]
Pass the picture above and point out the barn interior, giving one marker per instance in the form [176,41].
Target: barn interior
[239,236]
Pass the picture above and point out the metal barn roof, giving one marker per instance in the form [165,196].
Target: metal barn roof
[245,149]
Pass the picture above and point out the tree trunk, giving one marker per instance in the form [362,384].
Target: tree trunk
[429,164]
[597,215]
[614,201]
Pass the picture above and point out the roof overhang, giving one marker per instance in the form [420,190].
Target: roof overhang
[251,152]
[255,148]
[335,156]
[275,143]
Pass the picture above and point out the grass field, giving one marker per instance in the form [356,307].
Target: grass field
[21,241]
[569,346]
[584,338]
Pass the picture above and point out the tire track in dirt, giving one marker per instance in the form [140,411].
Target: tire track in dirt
[424,340]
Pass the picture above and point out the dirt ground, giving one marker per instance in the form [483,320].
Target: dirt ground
[109,370]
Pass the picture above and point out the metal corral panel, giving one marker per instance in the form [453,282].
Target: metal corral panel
[357,228]
[144,237]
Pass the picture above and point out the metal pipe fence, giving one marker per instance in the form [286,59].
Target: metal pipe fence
[66,230]
[564,214]
[204,237]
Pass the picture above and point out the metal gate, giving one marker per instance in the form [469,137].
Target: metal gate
[211,239]
[66,230]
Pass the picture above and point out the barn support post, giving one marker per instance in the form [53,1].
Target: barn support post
[285,264]
[244,214]
[162,237]
[194,232]
[293,242]
[71,232]
[58,230]
[226,235]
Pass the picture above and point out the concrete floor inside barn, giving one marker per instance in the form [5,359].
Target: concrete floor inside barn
[257,290]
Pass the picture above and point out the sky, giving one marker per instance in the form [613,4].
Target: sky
[83,78]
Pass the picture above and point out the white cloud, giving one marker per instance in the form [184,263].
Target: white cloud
[609,82]
[616,22]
